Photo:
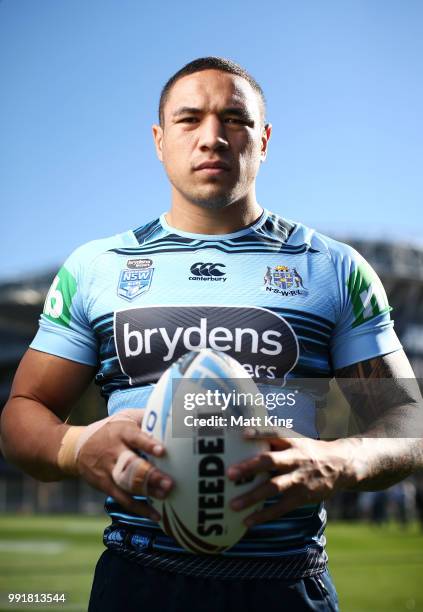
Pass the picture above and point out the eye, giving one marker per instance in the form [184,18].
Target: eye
[188,120]
[239,121]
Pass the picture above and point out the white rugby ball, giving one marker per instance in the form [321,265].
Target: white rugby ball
[197,512]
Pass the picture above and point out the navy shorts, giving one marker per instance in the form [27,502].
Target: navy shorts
[120,584]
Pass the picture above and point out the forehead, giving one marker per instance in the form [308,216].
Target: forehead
[212,90]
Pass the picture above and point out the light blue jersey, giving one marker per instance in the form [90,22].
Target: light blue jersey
[282,299]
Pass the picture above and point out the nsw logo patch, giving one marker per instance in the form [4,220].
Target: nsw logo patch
[134,282]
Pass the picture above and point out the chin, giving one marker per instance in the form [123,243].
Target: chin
[213,200]
[213,204]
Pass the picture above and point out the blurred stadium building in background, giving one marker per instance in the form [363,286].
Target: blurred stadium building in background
[400,268]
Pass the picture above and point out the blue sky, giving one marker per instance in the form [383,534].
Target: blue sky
[80,83]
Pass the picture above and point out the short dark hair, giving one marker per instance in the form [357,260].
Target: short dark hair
[210,63]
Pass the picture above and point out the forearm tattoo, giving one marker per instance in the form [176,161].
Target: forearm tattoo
[388,416]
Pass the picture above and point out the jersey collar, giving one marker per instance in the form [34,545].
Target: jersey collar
[242,232]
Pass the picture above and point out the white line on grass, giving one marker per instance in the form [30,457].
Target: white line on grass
[42,547]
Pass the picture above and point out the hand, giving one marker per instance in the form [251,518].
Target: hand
[107,460]
[303,471]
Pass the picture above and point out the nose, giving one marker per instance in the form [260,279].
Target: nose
[212,134]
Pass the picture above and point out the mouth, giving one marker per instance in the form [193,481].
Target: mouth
[212,167]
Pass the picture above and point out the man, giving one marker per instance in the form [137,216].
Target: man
[216,267]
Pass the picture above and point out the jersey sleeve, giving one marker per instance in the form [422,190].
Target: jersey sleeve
[64,329]
[364,328]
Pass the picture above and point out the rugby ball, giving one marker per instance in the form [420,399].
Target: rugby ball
[198,452]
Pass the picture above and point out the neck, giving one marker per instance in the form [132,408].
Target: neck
[194,219]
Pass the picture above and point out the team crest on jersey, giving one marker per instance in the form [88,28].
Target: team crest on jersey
[134,282]
[284,280]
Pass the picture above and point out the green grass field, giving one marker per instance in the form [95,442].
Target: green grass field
[375,569]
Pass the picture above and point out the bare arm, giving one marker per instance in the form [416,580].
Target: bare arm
[308,471]
[32,422]
[390,413]
[33,432]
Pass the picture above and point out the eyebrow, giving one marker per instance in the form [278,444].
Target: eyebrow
[185,110]
[232,110]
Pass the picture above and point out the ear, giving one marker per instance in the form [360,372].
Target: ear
[158,141]
[265,137]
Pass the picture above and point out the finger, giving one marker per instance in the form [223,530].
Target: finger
[291,499]
[141,441]
[157,484]
[282,461]
[135,475]
[274,435]
[135,415]
[131,505]
[130,415]
[263,491]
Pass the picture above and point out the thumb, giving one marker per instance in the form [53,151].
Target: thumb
[132,415]
[135,415]
[278,437]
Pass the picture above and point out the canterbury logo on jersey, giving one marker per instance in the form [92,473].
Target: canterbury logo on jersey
[149,338]
[208,271]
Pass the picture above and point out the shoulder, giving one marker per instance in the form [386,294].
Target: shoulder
[332,248]
[297,234]
[85,254]
[93,248]
[343,257]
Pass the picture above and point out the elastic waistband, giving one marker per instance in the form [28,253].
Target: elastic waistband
[146,549]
